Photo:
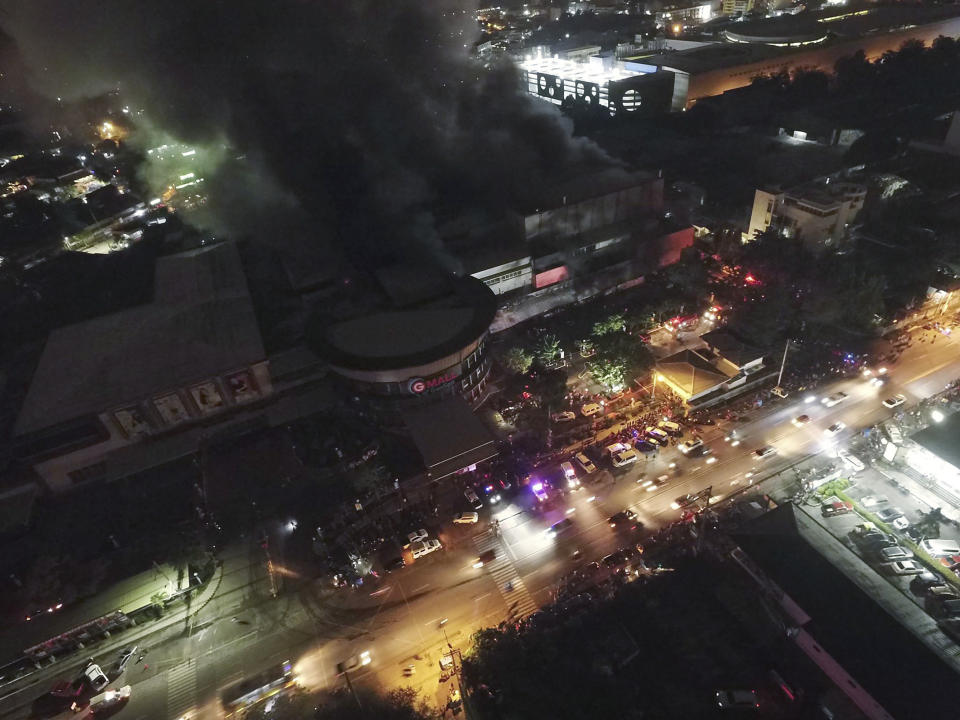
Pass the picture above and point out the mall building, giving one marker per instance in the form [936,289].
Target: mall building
[425,341]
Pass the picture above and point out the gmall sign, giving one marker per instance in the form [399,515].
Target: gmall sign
[416,386]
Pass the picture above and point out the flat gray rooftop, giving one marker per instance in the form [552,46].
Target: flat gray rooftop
[200,324]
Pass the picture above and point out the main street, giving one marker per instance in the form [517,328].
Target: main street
[398,620]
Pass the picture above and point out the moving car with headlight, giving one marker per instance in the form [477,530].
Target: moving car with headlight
[834,429]
[570,475]
[354,662]
[895,401]
[107,702]
[834,399]
[465,518]
[801,420]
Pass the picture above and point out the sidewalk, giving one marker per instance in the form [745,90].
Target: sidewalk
[13,696]
[918,490]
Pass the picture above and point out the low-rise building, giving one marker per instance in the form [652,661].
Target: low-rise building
[706,376]
[817,212]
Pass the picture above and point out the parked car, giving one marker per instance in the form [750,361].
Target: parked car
[623,458]
[425,547]
[896,401]
[888,515]
[625,519]
[834,399]
[876,540]
[872,501]
[591,409]
[472,498]
[737,700]
[895,552]
[95,677]
[670,427]
[565,416]
[765,452]
[851,461]
[926,580]
[836,507]
[585,463]
[904,567]
[658,436]
[417,535]
[466,518]
[397,563]
[941,547]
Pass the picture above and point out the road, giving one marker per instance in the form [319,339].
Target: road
[398,619]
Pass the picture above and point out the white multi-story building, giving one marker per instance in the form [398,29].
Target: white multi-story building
[818,212]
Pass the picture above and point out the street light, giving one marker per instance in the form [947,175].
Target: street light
[936,416]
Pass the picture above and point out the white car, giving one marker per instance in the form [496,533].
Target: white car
[466,518]
[834,399]
[591,409]
[622,458]
[425,547]
[585,463]
[904,567]
[418,535]
[895,401]
[834,429]
[765,452]
[95,677]
[565,416]
[689,445]
[871,501]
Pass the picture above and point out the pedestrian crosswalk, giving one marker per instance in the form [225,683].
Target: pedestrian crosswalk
[181,689]
[505,574]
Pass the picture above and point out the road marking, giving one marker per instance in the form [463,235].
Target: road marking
[481,597]
[505,574]
[182,688]
[422,587]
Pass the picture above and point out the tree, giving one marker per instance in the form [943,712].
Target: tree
[607,372]
[614,323]
[517,360]
[547,348]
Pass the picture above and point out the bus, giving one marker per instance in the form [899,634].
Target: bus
[248,692]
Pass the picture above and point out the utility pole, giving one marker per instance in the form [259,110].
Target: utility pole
[353,692]
[778,390]
[271,573]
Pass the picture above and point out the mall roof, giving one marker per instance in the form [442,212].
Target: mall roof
[397,338]
[942,439]
[200,324]
[449,436]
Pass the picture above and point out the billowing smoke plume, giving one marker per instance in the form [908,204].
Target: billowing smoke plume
[360,115]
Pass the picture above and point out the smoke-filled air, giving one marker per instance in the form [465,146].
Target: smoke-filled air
[351,119]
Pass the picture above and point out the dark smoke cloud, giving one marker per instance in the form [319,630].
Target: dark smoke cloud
[364,115]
